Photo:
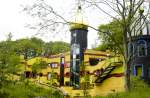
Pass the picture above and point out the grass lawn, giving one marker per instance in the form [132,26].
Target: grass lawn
[26,89]
[139,89]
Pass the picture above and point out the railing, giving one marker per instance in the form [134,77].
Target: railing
[101,77]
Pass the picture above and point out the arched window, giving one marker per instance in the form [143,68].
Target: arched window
[142,48]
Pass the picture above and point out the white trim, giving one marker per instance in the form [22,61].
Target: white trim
[145,48]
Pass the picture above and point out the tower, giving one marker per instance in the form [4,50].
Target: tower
[79,31]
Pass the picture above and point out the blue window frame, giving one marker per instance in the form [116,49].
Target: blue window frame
[142,48]
[138,70]
[149,72]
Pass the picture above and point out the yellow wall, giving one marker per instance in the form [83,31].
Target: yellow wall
[109,85]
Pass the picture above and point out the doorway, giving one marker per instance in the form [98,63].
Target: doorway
[138,70]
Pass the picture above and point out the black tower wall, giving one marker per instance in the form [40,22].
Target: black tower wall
[79,39]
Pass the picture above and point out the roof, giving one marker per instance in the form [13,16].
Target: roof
[87,52]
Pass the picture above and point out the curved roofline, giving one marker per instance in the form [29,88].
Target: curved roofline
[87,52]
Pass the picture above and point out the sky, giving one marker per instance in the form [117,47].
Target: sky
[14,20]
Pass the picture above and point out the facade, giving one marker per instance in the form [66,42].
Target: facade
[140,64]
[103,70]
[139,50]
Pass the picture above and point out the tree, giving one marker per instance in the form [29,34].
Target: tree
[60,47]
[127,12]
[86,79]
[9,65]
[9,62]
[56,47]
[9,37]
[102,47]
[23,46]
[124,10]
[113,41]
[38,66]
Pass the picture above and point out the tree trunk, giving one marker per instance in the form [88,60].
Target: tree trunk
[126,64]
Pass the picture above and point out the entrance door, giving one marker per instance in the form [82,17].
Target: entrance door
[138,70]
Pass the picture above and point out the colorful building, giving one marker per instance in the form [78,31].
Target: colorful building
[105,73]
[81,71]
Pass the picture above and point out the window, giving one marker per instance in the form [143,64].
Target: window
[93,61]
[142,48]
[40,74]
[48,76]
[28,74]
[67,65]
[49,64]
[54,65]
[67,74]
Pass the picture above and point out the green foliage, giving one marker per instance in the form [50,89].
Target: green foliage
[113,38]
[25,89]
[102,47]
[8,66]
[83,67]
[137,84]
[86,79]
[36,47]
[28,47]
[139,89]
[10,52]
[57,47]
[9,61]
[38,66]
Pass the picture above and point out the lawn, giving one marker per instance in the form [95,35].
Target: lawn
[139,89]
[26,89]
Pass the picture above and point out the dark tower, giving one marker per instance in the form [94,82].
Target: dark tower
[78,45]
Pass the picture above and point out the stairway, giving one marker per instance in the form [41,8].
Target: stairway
[101,77]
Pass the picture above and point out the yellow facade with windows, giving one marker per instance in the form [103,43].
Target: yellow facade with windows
[113,82]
